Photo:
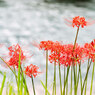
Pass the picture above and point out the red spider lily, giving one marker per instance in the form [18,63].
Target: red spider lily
[67,56]
[79,21]
[14,52]
[46,45]
[70,57]
[90,50]
[31,70]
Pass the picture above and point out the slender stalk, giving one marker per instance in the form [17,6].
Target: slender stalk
[67,88]
[54,80]
[92,78]
[60,76]
[76,38]
[46,70]
[75,93]
[71,80]
[73,62]
[85,87]
[55,76]
[8,66]
[3,82]
[24,81]
[80,75]
[66,79]
[78,79]
[89,64]
[64,82]
[33,85]
[19,69]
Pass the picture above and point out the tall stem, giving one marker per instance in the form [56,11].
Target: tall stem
[33,85]
[64,82]
[24,81]
[92,78]
[73,62]
[68,68]
[54,80]
[60,76]
[76,38]
[71,80]
[46,70]
[89,64]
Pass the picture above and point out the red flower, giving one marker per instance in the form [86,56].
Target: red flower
[31,70]
[90,50]
[14,52]
[66,55]
[46,45]
[79,21]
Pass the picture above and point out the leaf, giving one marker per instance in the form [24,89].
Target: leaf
[45,87]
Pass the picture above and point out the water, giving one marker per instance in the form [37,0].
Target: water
[27,21]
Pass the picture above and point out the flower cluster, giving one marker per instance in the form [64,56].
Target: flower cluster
[14,52]
[90,50]
[65,53]
[79,21]
[31,70]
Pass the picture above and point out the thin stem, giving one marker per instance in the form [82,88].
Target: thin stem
[66,79]
[80,75]
[75,93]
[46,70]
[60,77]
[64,82]
[92,78]
[8,66]
[24,81]
[54,80]
[85,87]
[71,80]
[78,79]
[89,64]
[76,38]
[33,85]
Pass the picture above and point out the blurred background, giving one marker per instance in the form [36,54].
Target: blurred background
[29,21]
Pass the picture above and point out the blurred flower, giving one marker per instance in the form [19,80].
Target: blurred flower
[14,52]
[90,50]
[31,70]
[46,45]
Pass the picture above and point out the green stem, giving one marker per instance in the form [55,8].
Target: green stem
[46,70]
[92,78]
[33,85]
[80,75]
[71,80]
[68,68]
[85,87]
[54,83]
[89,64]
[54,80]
[76,38]
[60,77]
[8,66]
[75,93]
[77,80]
[64,82]
[24,81]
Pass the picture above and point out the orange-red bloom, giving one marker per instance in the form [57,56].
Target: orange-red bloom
[79,21]
[14,52]
[31,70]
[46,45]
[90,50]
